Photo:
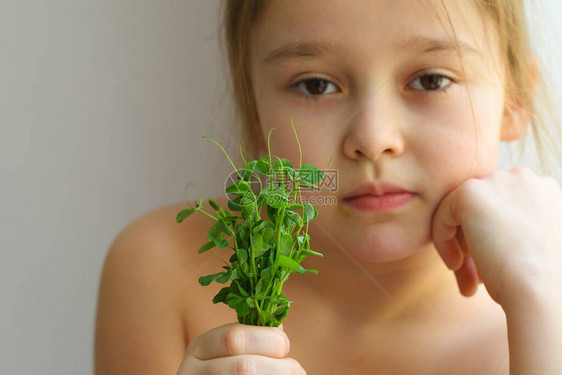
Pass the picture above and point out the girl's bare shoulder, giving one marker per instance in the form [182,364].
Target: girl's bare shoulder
[149,273]
[185,265]
[149,297]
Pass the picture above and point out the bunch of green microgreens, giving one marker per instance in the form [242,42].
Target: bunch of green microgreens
[266,250]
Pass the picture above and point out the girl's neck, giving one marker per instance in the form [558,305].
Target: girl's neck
[418,287]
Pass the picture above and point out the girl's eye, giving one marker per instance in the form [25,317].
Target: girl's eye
[316,86]
[431,82]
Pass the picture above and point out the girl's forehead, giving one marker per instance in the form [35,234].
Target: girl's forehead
[365,26]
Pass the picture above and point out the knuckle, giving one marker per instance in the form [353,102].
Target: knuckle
[551,181]
[471,187]
[191,346]
[185,369]
[523,171]
[234,341]
[245,365]
[284,344]
[294,368]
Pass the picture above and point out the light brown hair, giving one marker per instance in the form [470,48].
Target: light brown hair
[508,16]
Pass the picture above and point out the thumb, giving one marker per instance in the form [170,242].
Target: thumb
[445,224]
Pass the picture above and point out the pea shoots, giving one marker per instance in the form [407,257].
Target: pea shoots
[269,237]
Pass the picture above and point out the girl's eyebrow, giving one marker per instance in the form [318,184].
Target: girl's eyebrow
[314,49]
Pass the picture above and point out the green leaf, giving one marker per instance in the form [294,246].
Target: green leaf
[206,280]
[264,280]
[234,205]
[304,184]
[285,244]
[251,166]
[289,263]
[225,229]
[305,271]
[282,163]
[215,233]
[276,197]
[233,299]
[312,252]
[295,217]
[220,244]
[310,173]
[271,213]
[262,165]
[248,199]
[283,167]
[309,213]
[302,239]
[183,214]
[291,174]
[257,245]
[221,295]
[228,218]
[260,286]
[268,235]
[239,289]
[261,226]
[247,211]
[294,206]
[281,313]
[214,204]
[242,309]
[251,302]
[239,188]
[242,256]
[234,274]
[248,170]
[209,245]
[265,273]
[223,278]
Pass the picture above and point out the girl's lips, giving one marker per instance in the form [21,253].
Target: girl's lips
[380,203]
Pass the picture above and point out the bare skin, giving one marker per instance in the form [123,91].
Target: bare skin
[461,335]
[384,302]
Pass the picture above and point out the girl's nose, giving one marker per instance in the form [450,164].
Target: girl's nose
[374,127]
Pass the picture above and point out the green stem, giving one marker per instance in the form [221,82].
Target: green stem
[260,314]
[218,256]
[298,143]
[253,280]
[241,155]
[268,147]
[278,230]
[206,214]
[228,157]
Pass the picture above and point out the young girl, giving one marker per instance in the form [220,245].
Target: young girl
[411,98]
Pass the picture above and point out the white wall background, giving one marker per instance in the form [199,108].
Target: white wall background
[102,106]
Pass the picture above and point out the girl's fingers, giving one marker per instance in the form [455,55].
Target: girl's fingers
[444,233]
[236,339]
[246,364]
[467,277]
[462,241]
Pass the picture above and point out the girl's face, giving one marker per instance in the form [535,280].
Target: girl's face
[378,86]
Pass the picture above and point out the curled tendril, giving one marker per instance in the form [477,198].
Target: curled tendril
[187,202]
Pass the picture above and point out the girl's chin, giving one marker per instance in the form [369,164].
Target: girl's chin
[384,245]
[383,255]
